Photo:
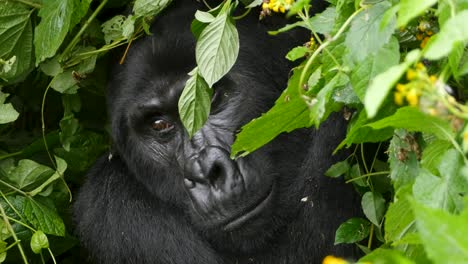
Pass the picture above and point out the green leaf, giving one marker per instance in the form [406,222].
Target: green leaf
[353,230]
[217,49]
[195,103]
[454,31]
[404,165]
[382,84]
[445,192]
[324,22]
[39,241]
[412,119]
[144,8]
[297,53]
[373,205]
[365,37]
[69,126]
[61,167]
[65,83]
[410,9]
[399,220]
[444,236]
[28,173]
[113,28]
[3,250]
[80,10]
[43,216]
[322,104]
[8,113]
[432,154]
[15,38]
[364,72]
[289,112]
[338,169]
[204,17]
[56,16]
[385,256]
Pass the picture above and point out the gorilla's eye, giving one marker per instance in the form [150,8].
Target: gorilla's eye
[161,125]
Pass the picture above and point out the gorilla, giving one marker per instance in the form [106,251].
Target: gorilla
[162,197]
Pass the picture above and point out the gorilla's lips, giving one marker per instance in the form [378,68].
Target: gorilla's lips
[250,213]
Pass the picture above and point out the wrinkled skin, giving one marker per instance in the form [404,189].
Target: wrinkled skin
[166,198]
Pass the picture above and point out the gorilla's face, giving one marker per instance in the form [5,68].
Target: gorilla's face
[236,204]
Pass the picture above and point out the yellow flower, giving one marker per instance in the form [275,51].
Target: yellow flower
[420,66]
[398,97]
[431,111]
[411,74]
[412,97]
[401,87]
[433,79]
[333,260]
[465,140]
[424,42]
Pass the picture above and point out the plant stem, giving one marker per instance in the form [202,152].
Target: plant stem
[324,45]
[368,175]
[12,187]
[13,234]
[9,155]
[82,30]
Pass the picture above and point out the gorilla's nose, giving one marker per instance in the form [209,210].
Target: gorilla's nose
[212,167]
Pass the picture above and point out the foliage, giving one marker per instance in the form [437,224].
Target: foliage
[397,69]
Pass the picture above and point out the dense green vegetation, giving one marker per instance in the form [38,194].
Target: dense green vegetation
[398,70]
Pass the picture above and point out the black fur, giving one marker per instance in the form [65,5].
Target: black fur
[135,207]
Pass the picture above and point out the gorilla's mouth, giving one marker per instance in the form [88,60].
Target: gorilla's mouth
[253,211]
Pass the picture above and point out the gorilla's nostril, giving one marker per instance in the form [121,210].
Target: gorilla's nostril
[215,174]
[189,183]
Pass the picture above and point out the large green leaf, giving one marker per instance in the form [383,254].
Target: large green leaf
[43,215]
[195,103]
[444,192]
[382,84]
[410,9]
[217,48]
[454,31]
[443,235]
[364,72]
[56,17]
[366,37]
[289,112]
[28,172]
[15,38]
[412,119]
